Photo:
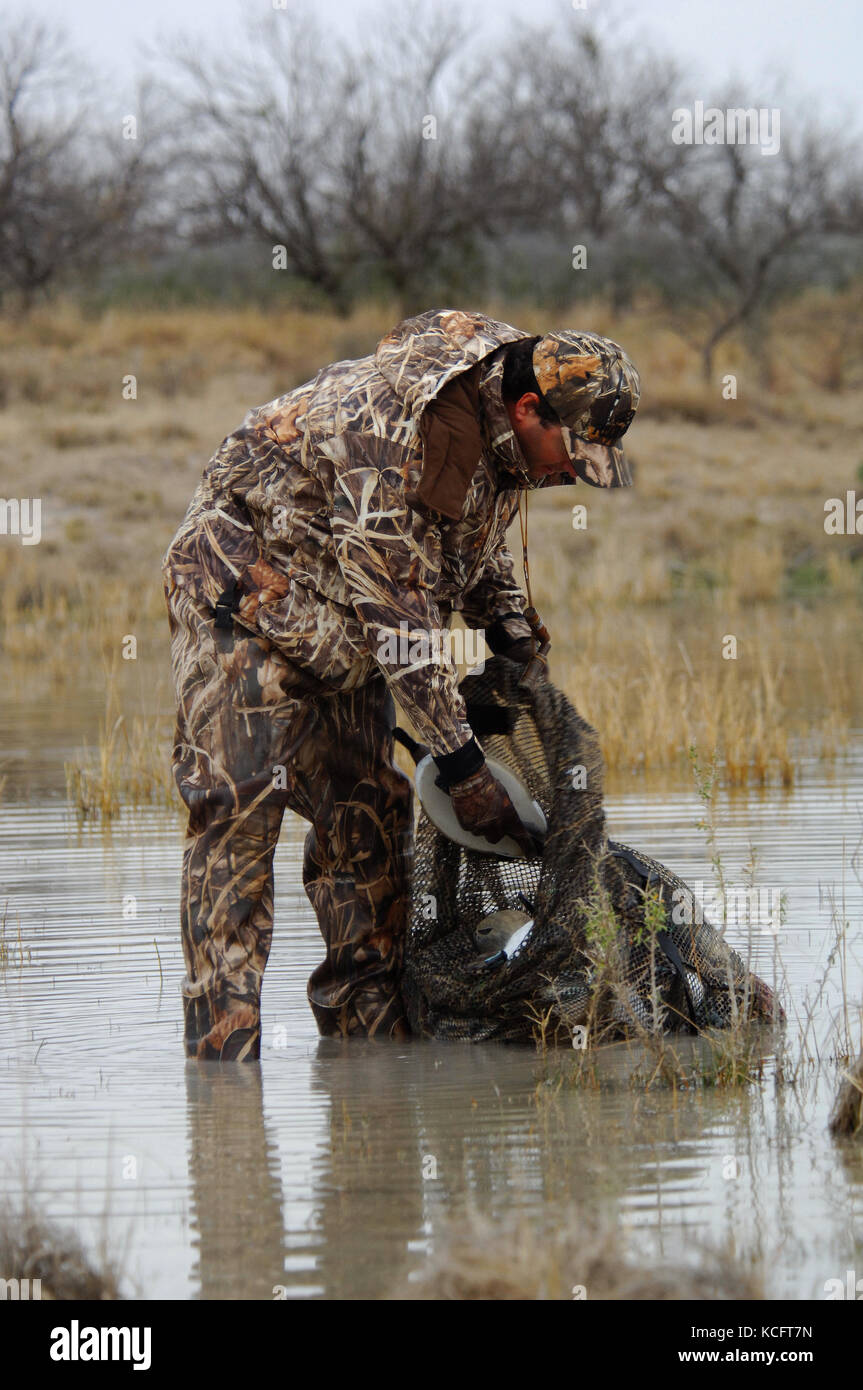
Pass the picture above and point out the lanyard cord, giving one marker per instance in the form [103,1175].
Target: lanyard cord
[522,521]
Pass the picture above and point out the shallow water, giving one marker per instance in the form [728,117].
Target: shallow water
[306,1173]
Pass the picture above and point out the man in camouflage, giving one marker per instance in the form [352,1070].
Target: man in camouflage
[371,501]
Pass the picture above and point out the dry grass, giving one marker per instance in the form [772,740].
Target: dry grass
[32,1248]
[13,953]
[61,629]
[723,534]
[732,1058]
[130,765]
[583,1257]
[717,507]
[651,694]
[847,1117]
[655,684]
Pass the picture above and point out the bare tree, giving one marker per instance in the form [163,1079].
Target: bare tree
[429,157]
[70,189]
[580,97]
[419,163]
[578,101]
[383,167]
[721,230]
[742,226]
[258,138]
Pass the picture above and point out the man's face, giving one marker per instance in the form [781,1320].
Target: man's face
[540,442]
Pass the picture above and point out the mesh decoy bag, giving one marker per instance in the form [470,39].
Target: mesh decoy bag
[615,945]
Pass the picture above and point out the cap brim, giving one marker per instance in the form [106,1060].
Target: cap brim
[601,465]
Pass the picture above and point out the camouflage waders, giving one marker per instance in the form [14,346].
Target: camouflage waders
[368,503]
[254,735]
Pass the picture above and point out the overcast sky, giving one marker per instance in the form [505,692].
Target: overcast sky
[817,43]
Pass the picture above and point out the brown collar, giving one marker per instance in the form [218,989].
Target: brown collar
[452,445]
[466,419]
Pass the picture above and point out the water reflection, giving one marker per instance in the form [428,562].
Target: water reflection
[332,1169]
[407,1141]
[235,1184]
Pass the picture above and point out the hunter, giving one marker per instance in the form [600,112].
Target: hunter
[370,501]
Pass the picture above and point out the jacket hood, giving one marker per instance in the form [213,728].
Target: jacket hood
[421,354]
[446,366]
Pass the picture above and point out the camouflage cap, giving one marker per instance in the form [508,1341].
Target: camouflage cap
[594,389]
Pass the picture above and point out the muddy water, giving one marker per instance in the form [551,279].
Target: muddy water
[307,1173]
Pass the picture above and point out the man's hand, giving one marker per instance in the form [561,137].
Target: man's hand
[521,651]
[517,646]
[482,807]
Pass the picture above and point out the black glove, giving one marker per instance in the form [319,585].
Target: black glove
[521,648]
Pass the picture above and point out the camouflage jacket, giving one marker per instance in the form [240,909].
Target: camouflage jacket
[305,505]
